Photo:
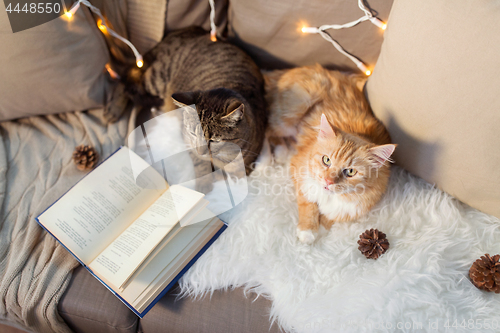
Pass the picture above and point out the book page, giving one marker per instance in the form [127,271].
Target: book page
[145,264]
[175,266]
[204,216]
[125,254]
[102,205]
[167,252]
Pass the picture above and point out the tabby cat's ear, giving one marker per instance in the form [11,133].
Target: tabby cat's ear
[325,129]
[183,99]
[382,154]
[234,112]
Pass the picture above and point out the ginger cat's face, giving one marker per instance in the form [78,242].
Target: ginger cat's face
[346,164]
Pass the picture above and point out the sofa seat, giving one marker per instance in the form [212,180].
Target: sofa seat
[87,306]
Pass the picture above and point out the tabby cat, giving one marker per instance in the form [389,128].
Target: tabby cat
[340,167]
[221,80]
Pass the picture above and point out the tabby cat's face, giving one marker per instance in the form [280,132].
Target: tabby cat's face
[217,125]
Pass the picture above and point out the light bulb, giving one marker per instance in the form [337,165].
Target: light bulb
[101,26]
[69,14]
[363,68]
[378,23]
[310,30]
[139,63]
[114,75]
[213,36]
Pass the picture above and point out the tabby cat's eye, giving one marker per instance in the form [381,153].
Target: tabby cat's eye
[326,161]
[350,172]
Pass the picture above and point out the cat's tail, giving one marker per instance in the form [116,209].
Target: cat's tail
[117,103]
[290,95]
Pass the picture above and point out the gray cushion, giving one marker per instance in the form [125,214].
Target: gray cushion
[182,14]
[224,311]
[87,306]
[54,67]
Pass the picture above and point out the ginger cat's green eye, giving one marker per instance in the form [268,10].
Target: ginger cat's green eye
[349,172]
[326,161]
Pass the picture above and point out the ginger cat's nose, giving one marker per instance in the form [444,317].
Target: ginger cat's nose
[329,182]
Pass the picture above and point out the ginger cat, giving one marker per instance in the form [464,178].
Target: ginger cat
[340,168]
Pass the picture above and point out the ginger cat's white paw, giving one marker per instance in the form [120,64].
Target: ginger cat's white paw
[306,236]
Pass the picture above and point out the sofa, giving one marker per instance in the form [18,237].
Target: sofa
[433,85]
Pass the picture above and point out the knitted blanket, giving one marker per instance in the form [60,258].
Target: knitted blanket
[35,170]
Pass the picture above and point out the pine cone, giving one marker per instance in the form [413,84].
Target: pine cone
[373,243]
[85,157]
[485,273]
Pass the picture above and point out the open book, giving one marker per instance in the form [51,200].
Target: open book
[136,234]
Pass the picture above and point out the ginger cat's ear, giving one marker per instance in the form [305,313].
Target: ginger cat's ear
[325,129]
[382,154]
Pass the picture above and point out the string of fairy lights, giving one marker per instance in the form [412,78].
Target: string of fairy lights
[103,26]
[321,30]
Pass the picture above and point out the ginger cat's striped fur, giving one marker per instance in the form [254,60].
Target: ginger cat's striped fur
[340,168]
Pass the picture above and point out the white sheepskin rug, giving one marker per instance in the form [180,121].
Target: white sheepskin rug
[420,284]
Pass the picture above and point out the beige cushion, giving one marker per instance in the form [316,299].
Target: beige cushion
[436,87]
[54,67]
[270,31]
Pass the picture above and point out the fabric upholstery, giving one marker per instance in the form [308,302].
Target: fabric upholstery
[60,65]
[7,328]
[435,86]
[141,22]
[52,68]
[87,306]
[223,311]
[182,14]
[270,31]
[116,13]
[146,22]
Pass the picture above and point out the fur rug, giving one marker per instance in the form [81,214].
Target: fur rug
[420,284]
